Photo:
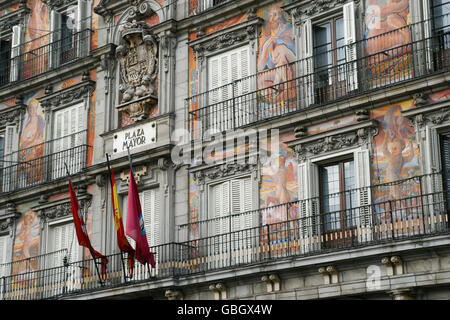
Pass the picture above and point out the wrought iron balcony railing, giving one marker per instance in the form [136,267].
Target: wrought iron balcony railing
[199,6]
[368,216]
[28,61]
[44,162]
[327,76]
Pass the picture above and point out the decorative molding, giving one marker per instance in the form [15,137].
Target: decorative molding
[138,172]
[12,115]
[272,281]
[59,4]
[302,9]
[220,290]
[174,294]
[240,33]
[434,114]
[224,170]
[62,208]
[330,274]
[67,96]
[350,136]
[138,58]
[168,44]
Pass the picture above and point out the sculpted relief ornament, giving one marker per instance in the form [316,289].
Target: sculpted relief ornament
[138,58]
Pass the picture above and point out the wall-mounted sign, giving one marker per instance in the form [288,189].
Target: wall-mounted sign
[135,137]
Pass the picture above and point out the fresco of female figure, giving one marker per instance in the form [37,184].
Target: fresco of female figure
[277,51]
[387,34]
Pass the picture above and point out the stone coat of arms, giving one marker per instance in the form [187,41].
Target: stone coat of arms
[138,58]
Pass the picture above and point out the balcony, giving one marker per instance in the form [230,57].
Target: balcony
[296,233]
[199,6]
[33,58]
[326,77]
[44,162]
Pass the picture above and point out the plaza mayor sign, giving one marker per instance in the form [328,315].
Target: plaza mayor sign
[135,137]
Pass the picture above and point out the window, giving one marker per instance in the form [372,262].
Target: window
[69,136]
[69,33]
[440,10]
[230,198]
[329,53]
[334,198]
[337,196]
[151,212]
[9,142]
[64,242]
[227,107]
[329,66]
[5,55]
[445,153]
[4,255]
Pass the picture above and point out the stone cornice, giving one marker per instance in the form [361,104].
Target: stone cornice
[59,4]
[69,95]
[62,208]
[222,171]
[226,38]
[425,113]
[12,115]
[333,140]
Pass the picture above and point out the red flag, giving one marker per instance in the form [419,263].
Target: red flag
[135,225]
[80,228]
[122,241]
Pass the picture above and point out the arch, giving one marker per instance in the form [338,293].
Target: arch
[155,6]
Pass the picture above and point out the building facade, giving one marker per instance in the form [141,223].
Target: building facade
[282,149]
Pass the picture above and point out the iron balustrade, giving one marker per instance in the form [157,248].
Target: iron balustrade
[365,66]
[294,232]
[28,61]
[44,162]
[199,6]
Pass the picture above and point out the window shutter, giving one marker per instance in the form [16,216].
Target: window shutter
[69,133]
[307,64]
[83,24]
[427,32]
[4,256]
[64,238]
[446,167]
[223,70]
[55,37]
[15,52]
[152,219]
[309,226]
[350,39]
[364,210]
[221,207]
[10,158]
[241,199]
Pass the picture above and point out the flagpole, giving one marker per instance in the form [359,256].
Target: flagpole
[121,253]
[90,247]
[131,172]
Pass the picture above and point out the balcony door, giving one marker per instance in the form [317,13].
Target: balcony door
[228,107]
[445,153]
[440,10]
[230,232]
[338,202]
[69,138]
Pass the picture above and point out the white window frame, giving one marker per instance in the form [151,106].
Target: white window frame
[309,194]
[81,19]
[69,141]
[225,91]
[306,45]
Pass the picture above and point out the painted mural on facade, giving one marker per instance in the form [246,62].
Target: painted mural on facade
[279,185]
[387,37]
[26,241]
[395,162]
[275,55]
